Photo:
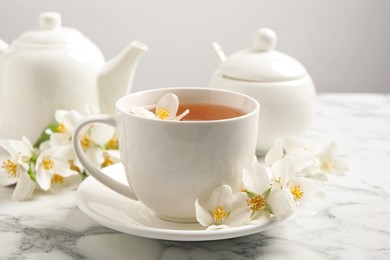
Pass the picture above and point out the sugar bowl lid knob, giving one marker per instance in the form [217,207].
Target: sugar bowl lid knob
[264,40]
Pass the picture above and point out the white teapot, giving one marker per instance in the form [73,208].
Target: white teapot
[280,83]
[55,67]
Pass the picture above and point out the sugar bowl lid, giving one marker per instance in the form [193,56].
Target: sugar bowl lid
[262,63]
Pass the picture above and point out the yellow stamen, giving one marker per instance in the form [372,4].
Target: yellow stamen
[107,162]
[73,166]
[61,128]
[256,203]
[296,191]
[162,113]
[57,179]
[112,144]
[48,164]
[219,214]
[86,142]
[10,167]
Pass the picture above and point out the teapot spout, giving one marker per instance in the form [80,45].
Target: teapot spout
[117,75]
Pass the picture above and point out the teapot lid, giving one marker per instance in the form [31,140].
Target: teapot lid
[50,34]
[262,63]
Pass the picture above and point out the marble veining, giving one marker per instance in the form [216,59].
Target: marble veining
[350,222]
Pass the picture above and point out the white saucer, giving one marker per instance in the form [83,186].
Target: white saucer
[132,217]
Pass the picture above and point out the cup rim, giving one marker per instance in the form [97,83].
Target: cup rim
[120,107]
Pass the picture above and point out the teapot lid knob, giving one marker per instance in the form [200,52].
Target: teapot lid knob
[264,40]
[49,20]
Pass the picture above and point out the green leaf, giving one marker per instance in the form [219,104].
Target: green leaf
[44,137]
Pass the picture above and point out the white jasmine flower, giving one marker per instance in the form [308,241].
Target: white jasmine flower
[327,163]
[6,179]
[223,209]
[166,109]
[294,147]
[330,162]
[264,199]
[101,145]
[19,166]
[284,178]
[67,122]
[54,165]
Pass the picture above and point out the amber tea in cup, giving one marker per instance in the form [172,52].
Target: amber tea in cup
[206,112]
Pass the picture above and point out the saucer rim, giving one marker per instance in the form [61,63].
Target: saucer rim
[168,234]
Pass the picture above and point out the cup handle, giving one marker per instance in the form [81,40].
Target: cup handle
[120,188]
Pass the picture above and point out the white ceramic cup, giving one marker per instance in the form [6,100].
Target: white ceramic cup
[169,164]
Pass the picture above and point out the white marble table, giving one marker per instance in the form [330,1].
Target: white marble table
[352,222]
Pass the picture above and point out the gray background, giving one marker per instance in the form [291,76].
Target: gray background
[344,44]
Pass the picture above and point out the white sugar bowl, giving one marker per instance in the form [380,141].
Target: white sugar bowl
[279,82]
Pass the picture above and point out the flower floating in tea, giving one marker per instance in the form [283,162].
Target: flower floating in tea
[166,109]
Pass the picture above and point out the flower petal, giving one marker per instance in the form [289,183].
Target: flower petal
[95,155]
[329,151]
[114,155]
[221,196]
[170,102]
[180,117]
[281,171]
[58,139]
[101,133]
[72,182]
[59,116]
[280,201]
[17,149]
[307,186]
[24,188]
[27,145]
[275,153]
[240,213]
[71,119]
[203,216]
[260,218]
[301,159]
[256,178]
[43,178]
[62,168]
[5,179]
[140,111]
